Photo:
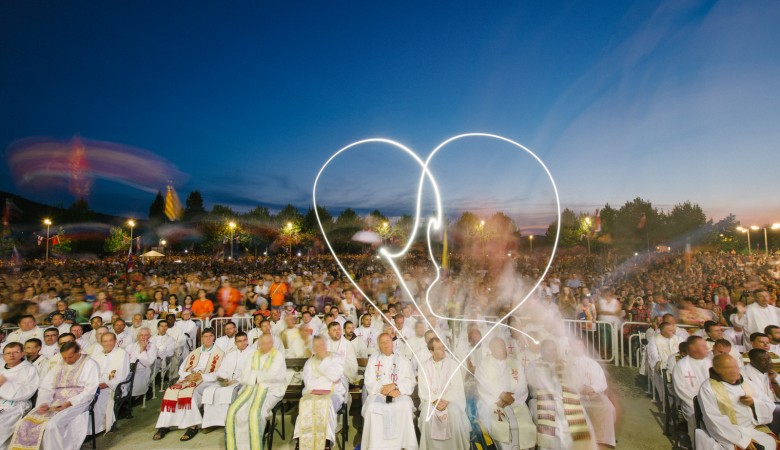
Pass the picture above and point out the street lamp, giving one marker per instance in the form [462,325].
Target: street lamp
[774,226]
[531,242]
[747,231]
[232,226]
[162,244]
[131,224]
[47,222]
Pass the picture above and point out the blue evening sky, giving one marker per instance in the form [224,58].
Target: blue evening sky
[667,100]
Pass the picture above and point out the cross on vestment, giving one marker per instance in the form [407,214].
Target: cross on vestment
[690,378]
[378,365]
[525,361]
[511,348]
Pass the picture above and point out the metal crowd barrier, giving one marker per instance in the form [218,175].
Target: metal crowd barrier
[600,338]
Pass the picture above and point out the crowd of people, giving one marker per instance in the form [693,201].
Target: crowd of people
[76,328]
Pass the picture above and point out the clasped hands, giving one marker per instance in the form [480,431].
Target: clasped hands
[505,399]
[390,390]
[43,409]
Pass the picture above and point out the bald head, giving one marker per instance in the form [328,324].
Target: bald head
[727,368]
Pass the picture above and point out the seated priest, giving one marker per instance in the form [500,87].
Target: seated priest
[734,415]
[18,383]
[443,421]
[502,391]
[181,403]
[323,395]
[144,353]
[61,412]
[218,397]
[592,386]
[689,374]
[388,411]
[264,382]
[114,369]
[561,422]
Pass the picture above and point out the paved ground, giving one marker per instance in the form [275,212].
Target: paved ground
[639,426]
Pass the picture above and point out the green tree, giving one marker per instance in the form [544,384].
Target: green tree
[349,219]
[79,212]
[65,244]
[309,222]
[288,214]
[259,214]
[157,208]
[194,206]
[222,212]
[118,240]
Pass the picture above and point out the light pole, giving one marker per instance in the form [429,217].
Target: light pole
[531,242]
[47,222]
[232,226]
[774,226]
[162,244]
[289,244]
[131,224]
[747,231]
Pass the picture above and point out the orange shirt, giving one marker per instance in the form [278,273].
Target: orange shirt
[229,299]
[202,308]
[277,291]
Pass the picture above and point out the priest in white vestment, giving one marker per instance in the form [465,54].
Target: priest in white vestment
[165,347]
[341,348]
[27,330]
[760,314]
[124,337]
[358,346]
[60,416]
[144,353]
[114,369]
[733,413]
[264,383]
[388,411]
[688,376]
[190,330]
[32,353]
[443,421]
[181,404]
[592,389]
[18,383]
[323,395]
[502,392]
[227,342]
[218,397]
[561,421]
[659,348]
[50,347]
[367,333]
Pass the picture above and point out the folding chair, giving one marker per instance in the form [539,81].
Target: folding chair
[92,418]
[123,395]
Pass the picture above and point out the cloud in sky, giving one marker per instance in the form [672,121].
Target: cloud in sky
[685,106]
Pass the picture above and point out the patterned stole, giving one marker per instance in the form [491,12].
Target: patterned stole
[256,395]
[546,425]
[726,407]
[29,431]
[313,415]
[180,394]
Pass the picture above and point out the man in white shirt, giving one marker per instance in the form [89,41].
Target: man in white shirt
[592,389]
[144,353]
[760,314]
[151,321]
[58,322]
[190,329]
[166,349]
[124,337]
[367,334]
[688,376]
[227,342]
[114,369]
[358,346]
[96,348]
[659,348]
[32,353]
[255,333]
[136,325]
[341,348]
[95,323]
[733,413]
[27,330]
[323,395]
[50,347]
[78,334]
[218,397]
[388,411]
[18,383]
[61,411]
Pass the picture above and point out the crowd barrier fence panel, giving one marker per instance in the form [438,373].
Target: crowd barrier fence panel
[600,338]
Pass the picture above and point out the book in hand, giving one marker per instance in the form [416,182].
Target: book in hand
[320,391]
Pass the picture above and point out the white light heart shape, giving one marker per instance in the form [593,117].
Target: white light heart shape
[434,223]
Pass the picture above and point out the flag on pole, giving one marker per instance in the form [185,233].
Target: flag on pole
[173,208]
[16,258]
[55,240]
[642,222]
[40,240]
[597,224]
[445,252]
